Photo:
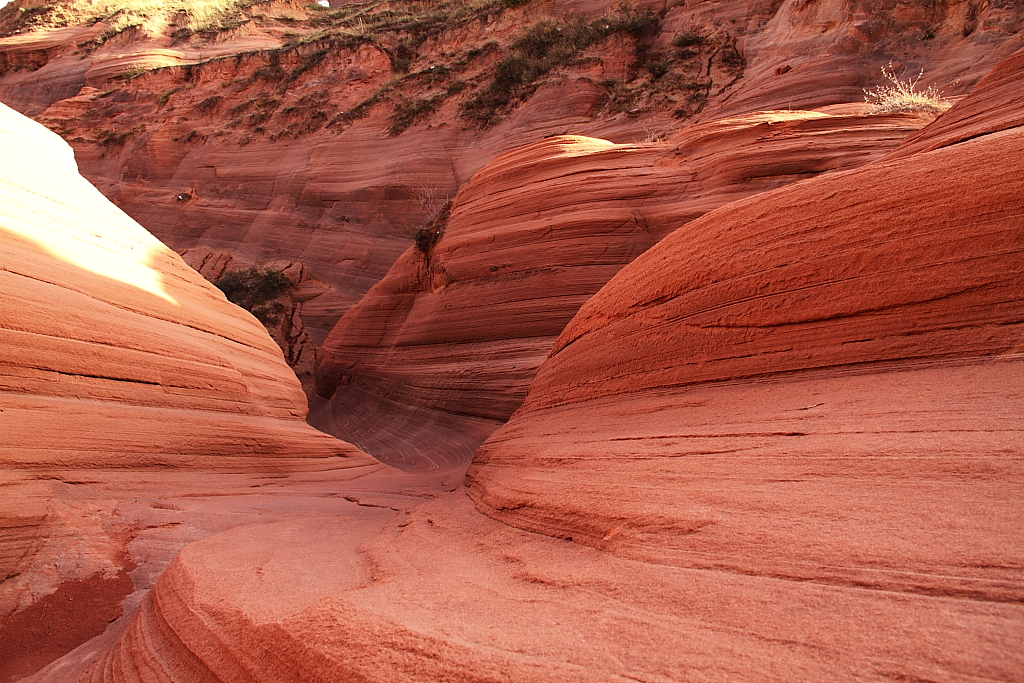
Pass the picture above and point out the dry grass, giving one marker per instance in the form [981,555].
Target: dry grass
[903,96]
[193,15]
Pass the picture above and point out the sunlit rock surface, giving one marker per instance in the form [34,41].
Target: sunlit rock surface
[782,444]
[117,357]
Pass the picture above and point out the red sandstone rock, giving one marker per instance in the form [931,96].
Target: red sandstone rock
[739,549]
[343,201]
[443,349]
[818,384]
[117,356]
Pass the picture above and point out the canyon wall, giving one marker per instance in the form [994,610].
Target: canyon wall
[118,361]
[368,141]
[444,348]
[782,444]
[821,383]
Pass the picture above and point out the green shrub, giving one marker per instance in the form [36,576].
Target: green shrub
[255,289]
[689,43]
[132,72]
[209,104]
[408,112]
[690,38]
[111,137]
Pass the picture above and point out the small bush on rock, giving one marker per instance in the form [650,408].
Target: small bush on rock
[903,96]
[428,235]
[255,289]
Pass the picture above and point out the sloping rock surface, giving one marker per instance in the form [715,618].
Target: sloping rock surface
[117,357]
[819,384]
[105,326]
[782,445]
[443,349]
[342,199]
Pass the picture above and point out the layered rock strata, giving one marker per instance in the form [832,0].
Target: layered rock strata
[820,383]
[443,349]
[105,326]
[116,356]
[342,200]
[790,452]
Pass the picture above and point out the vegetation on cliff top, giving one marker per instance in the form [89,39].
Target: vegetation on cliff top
[544,46]
[120,15]
[441,64]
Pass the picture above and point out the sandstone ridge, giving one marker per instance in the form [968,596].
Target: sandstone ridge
[781,444]
[119,361]
[443,349]
[837,359]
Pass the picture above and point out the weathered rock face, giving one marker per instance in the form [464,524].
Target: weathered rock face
[443,349]
[116,356]
[343,200]
[821,383]
[785,442]
[103,325]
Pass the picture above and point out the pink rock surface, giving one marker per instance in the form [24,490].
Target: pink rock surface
[443,593]
[819,384]
[344,201]
[784,442]
[117,356]
[443,349]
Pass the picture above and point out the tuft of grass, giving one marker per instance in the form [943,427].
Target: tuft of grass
[903,96]
[409,111]
[165,96]
[256,289]
[132,72]
[108,137]
[427,235]
[209,104]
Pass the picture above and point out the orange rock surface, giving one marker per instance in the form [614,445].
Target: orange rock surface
[117,357]
[782,444]
[343,200]
[140,339]
[819,384]
[443,349]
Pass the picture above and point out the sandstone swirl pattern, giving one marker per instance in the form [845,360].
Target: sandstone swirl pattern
[117,356]
[443,349]
[821,383]
[785,443]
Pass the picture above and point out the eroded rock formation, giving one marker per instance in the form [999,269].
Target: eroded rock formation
[443,349]
[117,357]
[781,444]
[821,383]
[366,138]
